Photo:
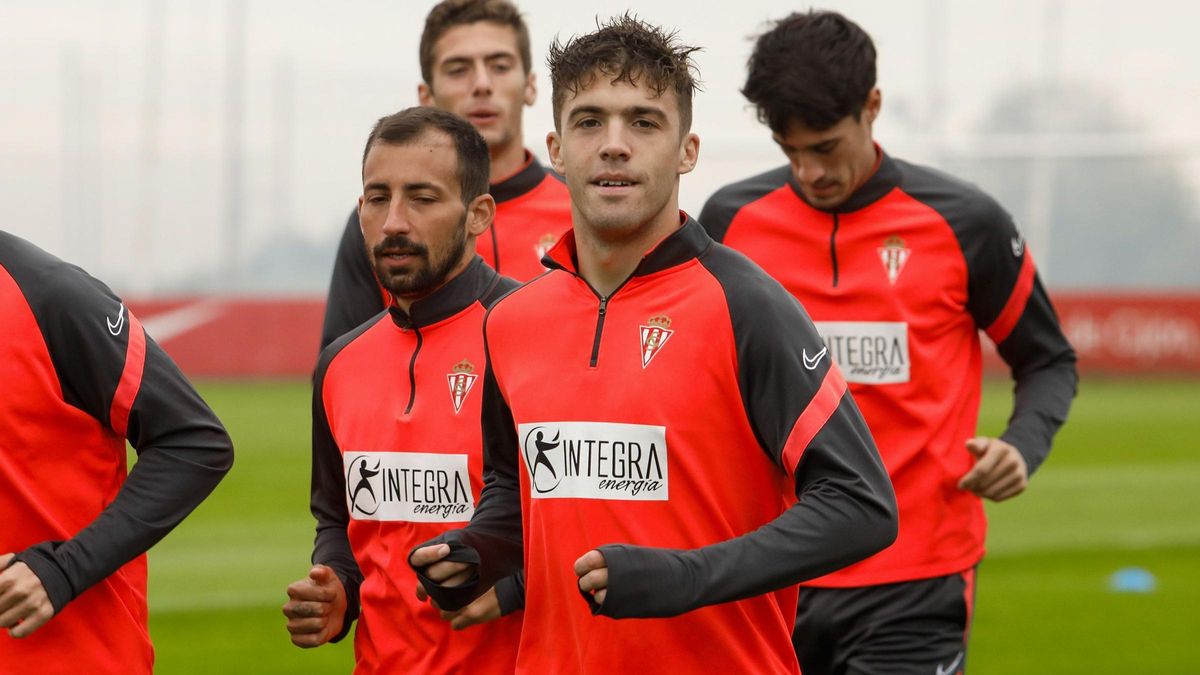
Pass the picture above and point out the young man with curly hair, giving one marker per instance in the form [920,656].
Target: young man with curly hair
[663,439]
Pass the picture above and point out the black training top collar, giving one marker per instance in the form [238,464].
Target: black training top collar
[454,296]
[520,183]
[883,181]
[685,243]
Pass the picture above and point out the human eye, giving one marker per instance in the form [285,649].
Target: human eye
[825,148]
[455,69]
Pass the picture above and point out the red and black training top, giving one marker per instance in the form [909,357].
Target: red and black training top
[397,459]
[79,376]
[685,427]
[533,209]
[900,279]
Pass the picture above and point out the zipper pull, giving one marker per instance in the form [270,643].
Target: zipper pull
[603,304]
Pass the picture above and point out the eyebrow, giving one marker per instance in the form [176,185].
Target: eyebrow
[413,187]
[407,187]
[494,56]
[632,111]
[811,146]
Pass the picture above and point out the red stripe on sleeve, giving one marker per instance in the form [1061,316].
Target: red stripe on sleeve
[1003,325]
[818,412]
[131,377]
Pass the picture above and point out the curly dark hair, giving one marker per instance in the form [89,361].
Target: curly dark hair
[624,48]
[450,13]
[410,124]
[815,68]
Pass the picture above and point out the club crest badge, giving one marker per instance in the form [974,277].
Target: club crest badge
[461,379]
[893,255]
[654,336]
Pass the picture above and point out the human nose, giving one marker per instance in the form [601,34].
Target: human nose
[396,221]
[615,145]
[807,170]
[482,86]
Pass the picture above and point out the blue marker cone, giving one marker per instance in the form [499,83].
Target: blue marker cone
[1132,580]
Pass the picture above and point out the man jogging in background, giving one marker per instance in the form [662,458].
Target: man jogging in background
[396,441]
[79,377]
[475,61]
[900,266]
[663,440]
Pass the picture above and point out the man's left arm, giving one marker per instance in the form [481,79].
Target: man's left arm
[1007,300]
[808,424]
[108,367]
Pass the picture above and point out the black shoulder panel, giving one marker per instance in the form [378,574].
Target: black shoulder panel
[721,208]
[84,324]
[991,245]
[774,337]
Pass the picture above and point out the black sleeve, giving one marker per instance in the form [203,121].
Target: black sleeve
[327,499]
[510,593]
[100,353]
[354,293]
[1042,363]
[1007,300]
[723,206]
[801,413]
[492,540]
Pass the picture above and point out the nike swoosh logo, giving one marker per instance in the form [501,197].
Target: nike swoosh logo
[947,670]
[811,362]
[116,328]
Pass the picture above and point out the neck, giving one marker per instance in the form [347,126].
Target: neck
[607,259]
[868,164]
[507,160]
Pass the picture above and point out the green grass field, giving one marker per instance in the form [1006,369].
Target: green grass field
[1121,489]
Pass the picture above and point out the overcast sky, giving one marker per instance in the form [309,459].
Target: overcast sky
[97,171]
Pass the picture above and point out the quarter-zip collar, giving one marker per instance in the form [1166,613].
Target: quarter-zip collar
[884,180]
[520,183]
[684,244]
[454,296]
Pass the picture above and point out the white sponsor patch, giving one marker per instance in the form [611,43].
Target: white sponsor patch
[868,352]
[595,460]
[408,486]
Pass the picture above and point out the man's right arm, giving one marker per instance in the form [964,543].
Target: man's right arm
[354,292]
[492,542]
[328,502]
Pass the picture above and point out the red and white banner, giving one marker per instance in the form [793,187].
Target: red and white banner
[236,337]
[1129,333]
[1113,333]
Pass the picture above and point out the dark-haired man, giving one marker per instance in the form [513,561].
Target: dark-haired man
[78,378]
[656,438]
[900,267]
[396,405]
[475,61]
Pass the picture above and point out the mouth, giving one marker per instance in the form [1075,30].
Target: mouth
[482,116]
[397,256]
[823,189]
[613,185]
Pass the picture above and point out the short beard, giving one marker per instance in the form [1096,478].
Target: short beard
[427,277]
